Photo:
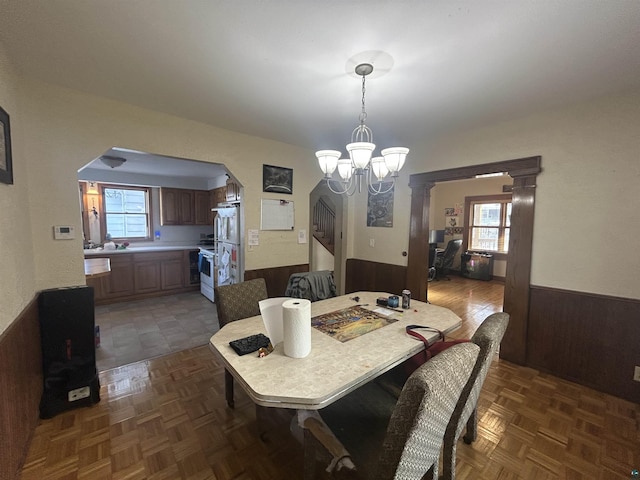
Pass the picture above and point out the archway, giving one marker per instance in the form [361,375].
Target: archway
[524,172]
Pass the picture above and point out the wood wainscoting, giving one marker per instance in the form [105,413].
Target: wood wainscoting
[375,277]
[21,381]
[586,338]
[276,278]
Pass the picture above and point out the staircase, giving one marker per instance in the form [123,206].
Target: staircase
[324,221]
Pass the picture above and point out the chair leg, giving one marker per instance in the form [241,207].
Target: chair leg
[228,388]
[472,428]
[432,473]
[449,459]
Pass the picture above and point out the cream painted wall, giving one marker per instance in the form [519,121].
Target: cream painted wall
[587,221]
[321,258]
[67,128]
[389,243]
[17,273]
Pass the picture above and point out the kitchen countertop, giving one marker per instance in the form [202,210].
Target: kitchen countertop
[141,249]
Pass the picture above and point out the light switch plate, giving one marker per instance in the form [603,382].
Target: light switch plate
[636,374]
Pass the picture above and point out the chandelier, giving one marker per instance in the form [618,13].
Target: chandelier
[379,173]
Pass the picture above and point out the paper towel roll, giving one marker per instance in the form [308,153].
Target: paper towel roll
[296,327]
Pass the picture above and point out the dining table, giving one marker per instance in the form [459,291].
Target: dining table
[334,367]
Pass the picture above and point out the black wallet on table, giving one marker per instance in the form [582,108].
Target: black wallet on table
[250,344]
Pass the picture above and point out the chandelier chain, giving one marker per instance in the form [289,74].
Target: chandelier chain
[363,114]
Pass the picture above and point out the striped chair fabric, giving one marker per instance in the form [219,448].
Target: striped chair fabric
[488,337]
[415,433]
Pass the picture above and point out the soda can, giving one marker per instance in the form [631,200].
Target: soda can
[406,298]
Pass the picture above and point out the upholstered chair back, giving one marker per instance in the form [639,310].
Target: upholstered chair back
[488,337]
[239,300]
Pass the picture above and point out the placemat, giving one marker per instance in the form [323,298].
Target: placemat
[349,323]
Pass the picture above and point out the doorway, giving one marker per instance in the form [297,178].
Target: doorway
[524,173]
[322,194]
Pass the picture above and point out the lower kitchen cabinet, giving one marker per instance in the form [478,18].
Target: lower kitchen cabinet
[146,277]
[120,281]
[143,274]
[172,274]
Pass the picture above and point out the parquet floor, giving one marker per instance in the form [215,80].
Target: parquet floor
[166,418]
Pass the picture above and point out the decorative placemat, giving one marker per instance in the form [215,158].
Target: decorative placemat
[349,323]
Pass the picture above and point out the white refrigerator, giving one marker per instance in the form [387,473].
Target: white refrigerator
[226,226]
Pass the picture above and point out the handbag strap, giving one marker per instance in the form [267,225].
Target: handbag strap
[410,330]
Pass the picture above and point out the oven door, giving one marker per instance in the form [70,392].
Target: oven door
[207,269]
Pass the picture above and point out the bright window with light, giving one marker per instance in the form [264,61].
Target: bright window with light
[490,225]
[126,212]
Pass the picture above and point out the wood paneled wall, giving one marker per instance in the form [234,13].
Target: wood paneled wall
[276,277]
[590,339]
[593,340]
[375,277]
[20,388]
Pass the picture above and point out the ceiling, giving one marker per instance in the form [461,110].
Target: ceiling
[146,163]
[283,69]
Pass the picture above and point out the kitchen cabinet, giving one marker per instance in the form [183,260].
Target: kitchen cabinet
[219,195]
[120,280]
[233,191]
[177,206]
[172,273]
[145,274]
[146,277]
[203,204]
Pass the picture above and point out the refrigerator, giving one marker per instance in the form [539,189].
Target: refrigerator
[226,227]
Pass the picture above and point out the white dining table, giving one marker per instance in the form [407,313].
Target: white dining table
[333,368]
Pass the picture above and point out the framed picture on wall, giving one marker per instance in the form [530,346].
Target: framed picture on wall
[277,179]
[452,221]
[380,208]
[6,166]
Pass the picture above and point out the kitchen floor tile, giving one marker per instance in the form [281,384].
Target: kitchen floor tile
[144,329]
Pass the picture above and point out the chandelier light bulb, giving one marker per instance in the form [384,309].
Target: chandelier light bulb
[328,160]
[394,158]
[360,153]
[344,169]
[379,168]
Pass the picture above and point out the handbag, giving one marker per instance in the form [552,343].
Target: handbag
[431,349]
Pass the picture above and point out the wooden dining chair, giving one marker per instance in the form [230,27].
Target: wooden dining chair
[415,432]
[235,302]
[488,337]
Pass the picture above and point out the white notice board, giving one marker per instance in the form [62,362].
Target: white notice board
[276,215]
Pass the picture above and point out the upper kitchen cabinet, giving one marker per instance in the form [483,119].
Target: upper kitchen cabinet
[219,195]
[203,204]
[177,206]
[233,191]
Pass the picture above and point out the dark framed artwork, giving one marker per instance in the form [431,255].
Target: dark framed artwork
[380,208]
[6,167]
[277,179]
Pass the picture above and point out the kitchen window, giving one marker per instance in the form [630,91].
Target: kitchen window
[126,212]
[489,223]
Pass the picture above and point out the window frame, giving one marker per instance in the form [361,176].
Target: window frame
[469,202]
[103,214]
